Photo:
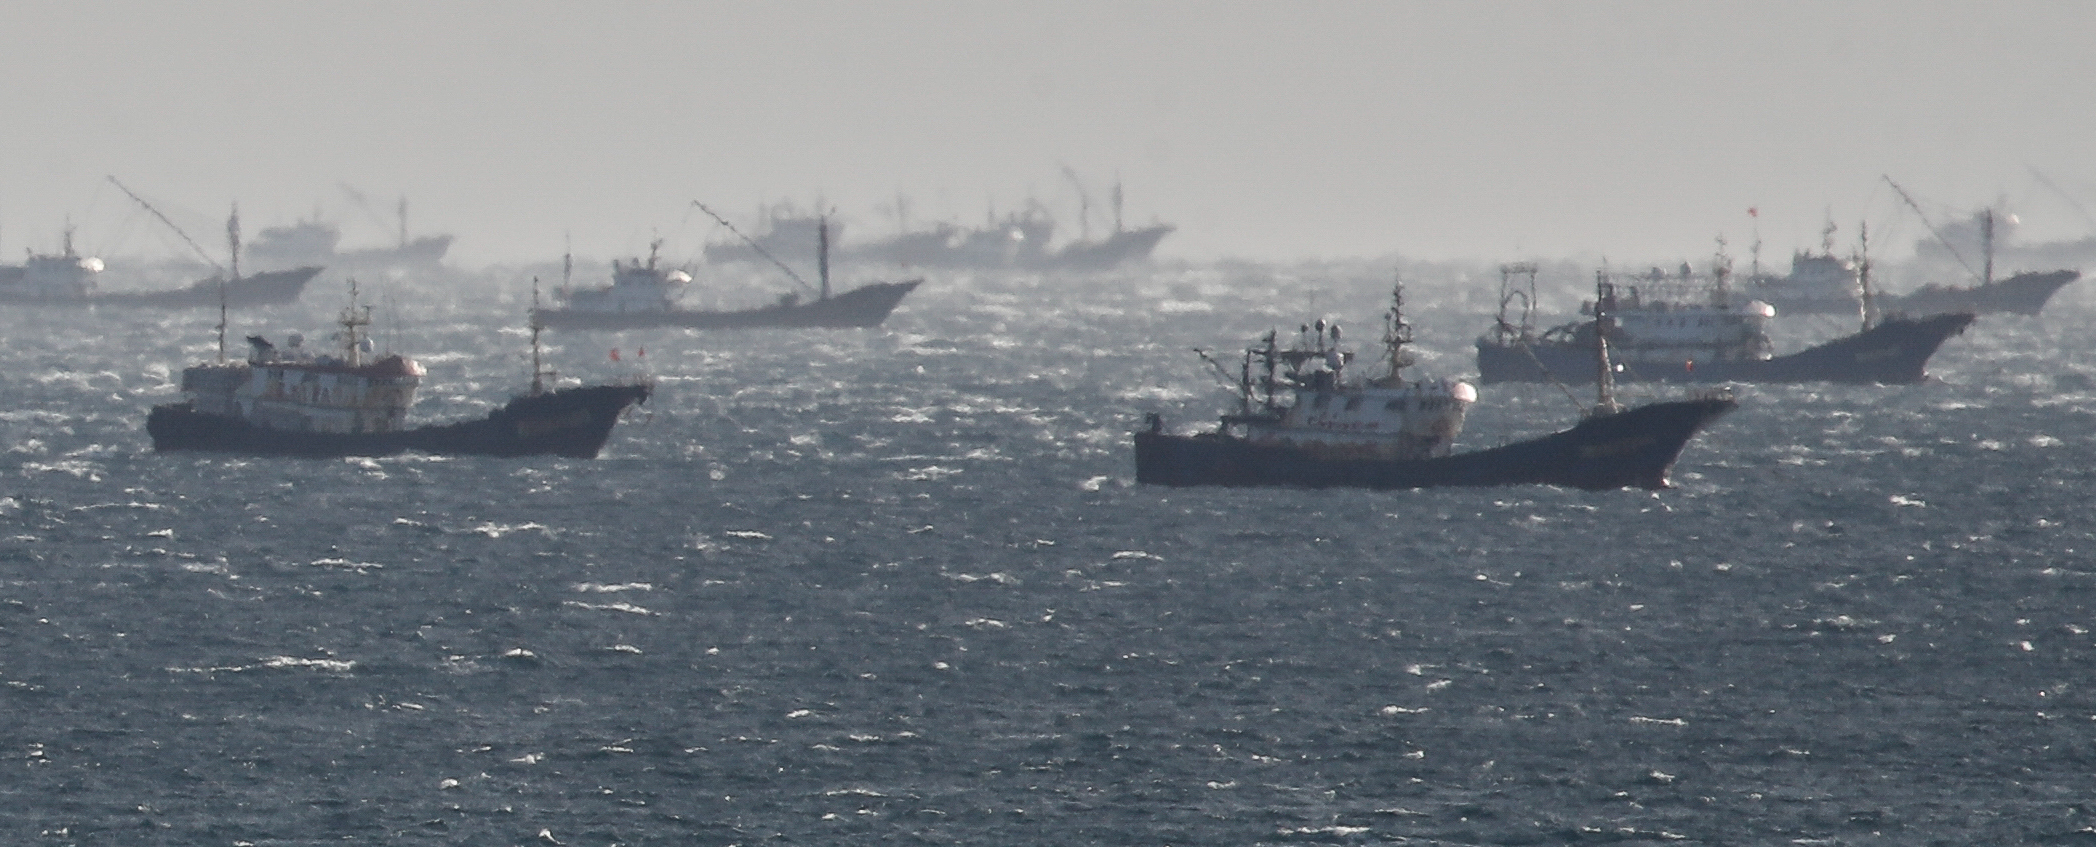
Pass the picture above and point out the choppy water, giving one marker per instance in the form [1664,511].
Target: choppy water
[897,586]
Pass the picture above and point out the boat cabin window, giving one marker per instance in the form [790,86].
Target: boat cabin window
[1353,403]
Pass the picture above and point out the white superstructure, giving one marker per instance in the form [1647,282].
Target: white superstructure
[294,390]
[1683,317]
[1336,416]
[635,287]
[65,276]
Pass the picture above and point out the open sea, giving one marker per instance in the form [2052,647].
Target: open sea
[898,586]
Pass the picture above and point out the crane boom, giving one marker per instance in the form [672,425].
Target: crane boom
[170,225]
[2056,189]
[759,247]
[1932,227]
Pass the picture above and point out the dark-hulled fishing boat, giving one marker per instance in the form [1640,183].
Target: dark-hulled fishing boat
[1324,438]
[2023,293]
[1670,337]
[644,295]
[292,403]
[68,279]
[269,288]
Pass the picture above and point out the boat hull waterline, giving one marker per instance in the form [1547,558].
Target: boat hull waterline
[571,422]
[866,306]
[274,288]
[2022,294]
[1630,449]
[1895,352]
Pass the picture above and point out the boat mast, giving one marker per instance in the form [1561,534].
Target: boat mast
[232,241]
[1396,334]
[1244,385]
[1271,357]
[1870,306]
[352,321]
[822,254]
[1117,204]
[1721,277]
[1084,205]
[1754,268]
[1987,244]
[1507,292]
[538,325]
[1604,320]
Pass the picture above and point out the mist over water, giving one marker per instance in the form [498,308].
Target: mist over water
[898,584]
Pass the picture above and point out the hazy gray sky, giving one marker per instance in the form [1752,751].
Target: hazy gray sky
[1264,130]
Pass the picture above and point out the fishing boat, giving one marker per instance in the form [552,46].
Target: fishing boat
[644,295]
[1388,433]
[290,401]
[1020,240]
[1122,246]
[2022,293]
[228,288]
[67,278]
[318,242]
[1820,283]
[1663,331]
[64,277]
